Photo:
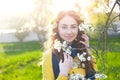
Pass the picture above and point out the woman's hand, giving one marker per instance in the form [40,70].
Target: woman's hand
[86,42]
[66,65]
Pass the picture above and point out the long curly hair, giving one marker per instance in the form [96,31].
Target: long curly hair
[55,35]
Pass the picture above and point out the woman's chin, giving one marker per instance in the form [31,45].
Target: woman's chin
[69,41]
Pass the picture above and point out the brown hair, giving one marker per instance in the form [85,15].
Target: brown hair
[55,35]
[69,13]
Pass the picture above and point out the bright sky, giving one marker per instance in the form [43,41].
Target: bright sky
[14,7]
[116,9]
[70,5]
[9,7]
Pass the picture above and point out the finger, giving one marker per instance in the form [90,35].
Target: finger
[60,61]
[84,43]
[86,38]
[65,56]
[70,58]
[84,35]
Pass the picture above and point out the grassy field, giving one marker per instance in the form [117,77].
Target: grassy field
[108,61]
[19,61]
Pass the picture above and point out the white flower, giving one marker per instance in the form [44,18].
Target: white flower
[100,76]
[81,57]
[64,45]
[57,45]
[92,29]
[88,79]
[76,77]
[83,65]
[75,64]
[88,58]
[66,48]
[84,53]
[81,28]
[86,26]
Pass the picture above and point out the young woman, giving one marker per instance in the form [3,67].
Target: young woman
[68,56]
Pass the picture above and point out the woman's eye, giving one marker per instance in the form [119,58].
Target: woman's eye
[64,27]
[73,27]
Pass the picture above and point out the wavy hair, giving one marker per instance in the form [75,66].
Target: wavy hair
[55,35]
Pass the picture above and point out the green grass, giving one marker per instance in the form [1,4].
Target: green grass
[108,61]
[19,61]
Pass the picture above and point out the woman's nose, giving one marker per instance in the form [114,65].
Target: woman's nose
[69,31]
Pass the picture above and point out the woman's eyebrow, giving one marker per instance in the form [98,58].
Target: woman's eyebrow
[74,24]
[68,25]
[64,24]
[71,24]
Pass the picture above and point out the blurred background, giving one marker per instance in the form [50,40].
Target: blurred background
[24,25]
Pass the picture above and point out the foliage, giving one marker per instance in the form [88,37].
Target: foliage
[108,62]
[21,34]
[42,13]
[19,61]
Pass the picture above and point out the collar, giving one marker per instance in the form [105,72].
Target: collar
[74,52]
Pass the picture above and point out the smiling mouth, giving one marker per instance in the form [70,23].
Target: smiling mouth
[69,37]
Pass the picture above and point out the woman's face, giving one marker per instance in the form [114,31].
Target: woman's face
[68,28]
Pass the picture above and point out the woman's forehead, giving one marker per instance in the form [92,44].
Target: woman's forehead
[68,20]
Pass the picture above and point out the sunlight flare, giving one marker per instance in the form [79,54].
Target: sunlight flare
[9,7]
[59,5]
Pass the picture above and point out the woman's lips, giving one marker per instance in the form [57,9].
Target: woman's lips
[69,37]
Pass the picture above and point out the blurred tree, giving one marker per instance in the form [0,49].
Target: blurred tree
[21,34]
[41,16]
[12,22]
[99,14]
[98,11]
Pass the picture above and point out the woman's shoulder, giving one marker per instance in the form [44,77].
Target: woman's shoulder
[47,52]
[47,55]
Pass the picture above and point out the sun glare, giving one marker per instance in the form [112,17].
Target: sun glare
[70,5]
[9,7]
[63,4]
[59,5]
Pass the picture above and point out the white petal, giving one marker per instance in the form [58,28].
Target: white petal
[83,65]
[84,53]
[83,59]
[88,58]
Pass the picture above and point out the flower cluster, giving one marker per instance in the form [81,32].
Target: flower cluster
[87,27]
[82,57]
[65,46]
[57,45]
[81,77]
[100,75]
[76,77]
